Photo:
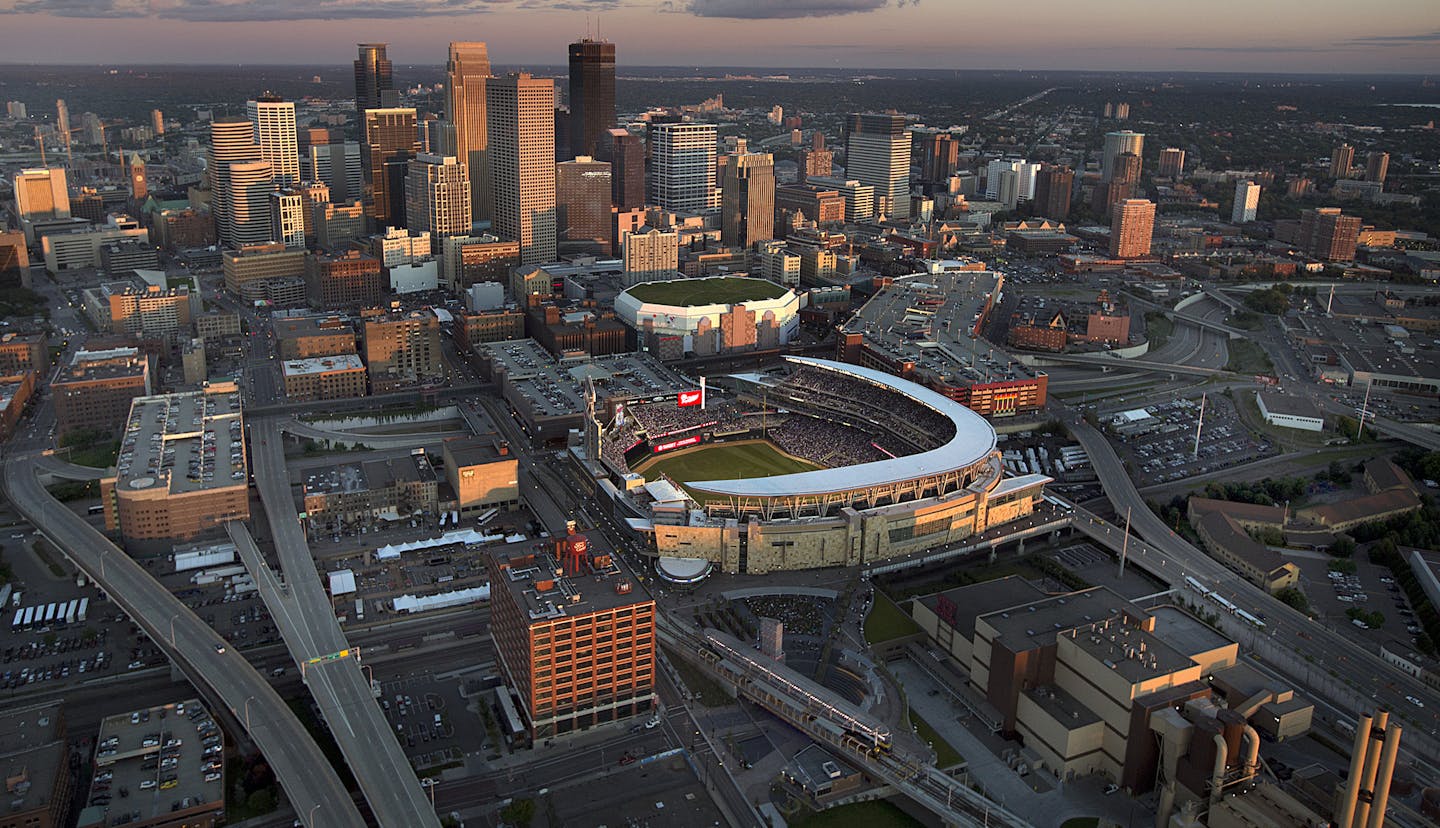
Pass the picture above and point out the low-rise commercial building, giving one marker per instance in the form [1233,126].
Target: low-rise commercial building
[24,352]
[34,760]
[182,468]
[1225,539]
[15,394]
[80,247]
[349,496]
[1290,412]
[470,330]
[248,268]
[306,337]
[402,349]
[217,326]
[94,392]
[337,377]
[483,474]
[342,280]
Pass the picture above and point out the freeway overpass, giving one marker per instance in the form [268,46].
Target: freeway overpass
[1224,299]
[221,675]
[306,619]
[1109,362]
[374,441]
[1172,558]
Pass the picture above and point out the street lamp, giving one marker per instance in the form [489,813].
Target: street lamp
[312,813]
[247,711]
[172,628]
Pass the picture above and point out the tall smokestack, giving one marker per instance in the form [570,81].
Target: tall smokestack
[1345,814]
[1367,774]
[1380,799]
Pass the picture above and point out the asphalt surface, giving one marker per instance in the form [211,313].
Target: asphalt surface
[221,674]
[303,613]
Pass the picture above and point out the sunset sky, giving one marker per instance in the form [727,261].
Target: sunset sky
[1401,36]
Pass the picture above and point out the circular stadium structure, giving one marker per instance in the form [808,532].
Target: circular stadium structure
[686,307]
[828,464]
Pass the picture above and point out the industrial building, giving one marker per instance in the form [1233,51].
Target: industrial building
[34,760]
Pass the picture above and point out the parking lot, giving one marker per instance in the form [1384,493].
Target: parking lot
[435,725]
[1370,589]
[1161,446]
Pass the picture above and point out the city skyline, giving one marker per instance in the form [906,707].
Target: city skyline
[856,34]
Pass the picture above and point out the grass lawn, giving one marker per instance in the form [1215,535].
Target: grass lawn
[874,814]
[886,621]
[945,755]
[1248,358]
[100,455]
[726,461]
[710,692]
[723,290]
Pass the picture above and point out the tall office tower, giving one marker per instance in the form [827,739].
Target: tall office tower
[592,94]
[1132,223]
[1122,111]
[1117,143]
[939,156]
[274,120]
[650,255]
[16,110]
[467,70]
[748,199]
[311,194]
[1247,201]
[340,168]
[391,140]
[1026,171]
[157,122]
[520,111]
[41,194]
[374,80]
[1341,160]
[62,121]
[1377,165]
[626,154]
[582,204]
[1172,162]
[248,214]
[1298,187]
[437,196]
[287,218]
[682,167]
[1007,188]
[878,154]
[815,163]
[1328,234]
[1053,186]
[562,134]
[232,142]
[993,172]
[139,183]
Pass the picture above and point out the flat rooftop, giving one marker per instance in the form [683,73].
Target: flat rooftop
[552,389]
[1128,650]
[540,586]
[187,442]
[474,451]
[368,475]
[929,319]
[323,365]
[1368,348]
[716,290]
[970,602]
[32,751]
[1292,406]
[301,326]
[161,755]
[1181,631]
[8,390]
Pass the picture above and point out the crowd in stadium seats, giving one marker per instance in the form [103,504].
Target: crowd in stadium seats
[660,419]
[824,443]
[908,420]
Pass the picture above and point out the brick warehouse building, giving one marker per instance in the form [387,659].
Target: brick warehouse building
[576,642]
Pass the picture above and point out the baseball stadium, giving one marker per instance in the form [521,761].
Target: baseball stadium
[822,463]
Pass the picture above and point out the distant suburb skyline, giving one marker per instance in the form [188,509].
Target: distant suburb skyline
[1320,36]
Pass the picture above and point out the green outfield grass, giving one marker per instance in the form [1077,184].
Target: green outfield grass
[718,291]
[729,461]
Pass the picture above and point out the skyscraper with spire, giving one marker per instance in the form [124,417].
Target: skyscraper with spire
[374,79]
[592,94]
[467,136]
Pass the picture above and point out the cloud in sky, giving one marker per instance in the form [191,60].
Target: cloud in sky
[230,11]
[780,9]
[1395,40]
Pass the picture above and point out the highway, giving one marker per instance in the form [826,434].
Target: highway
[1172,558]
[375,441]
[222,676]
[305,617]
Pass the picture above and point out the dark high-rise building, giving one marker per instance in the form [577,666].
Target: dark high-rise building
[391,140]
[374,80]
[1377,165]
[878,154]
[592,94]
[582,204]
[1053,186]
[1341,160]
[748,199]
[626,154]
[939,156]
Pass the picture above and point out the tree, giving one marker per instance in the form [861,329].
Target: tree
[1343,547]
[1294,598]
[520,812]
[261,801]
